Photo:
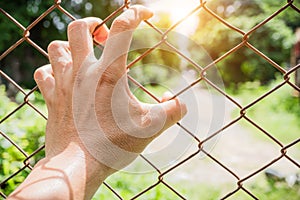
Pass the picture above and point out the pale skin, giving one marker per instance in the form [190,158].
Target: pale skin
[73,167]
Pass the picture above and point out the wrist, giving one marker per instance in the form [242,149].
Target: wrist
[80,168]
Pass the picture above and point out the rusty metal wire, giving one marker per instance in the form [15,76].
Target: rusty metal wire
[239,180]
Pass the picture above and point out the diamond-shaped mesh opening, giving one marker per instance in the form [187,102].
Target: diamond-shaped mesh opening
[209,161]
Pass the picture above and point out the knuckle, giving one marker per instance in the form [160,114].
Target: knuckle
[53,46]
[77,24]
[37,73]
[107,78]
[121,24]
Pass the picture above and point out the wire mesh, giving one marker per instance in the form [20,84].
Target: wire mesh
[286,76]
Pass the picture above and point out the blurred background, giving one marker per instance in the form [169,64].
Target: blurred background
[202,38]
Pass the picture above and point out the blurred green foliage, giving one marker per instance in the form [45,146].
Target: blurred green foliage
[26,128]
[22,61]
[275,39]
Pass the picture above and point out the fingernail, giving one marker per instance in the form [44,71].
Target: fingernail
[100,34]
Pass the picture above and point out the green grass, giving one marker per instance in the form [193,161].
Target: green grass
[278,113]
[128,185]
[274,191]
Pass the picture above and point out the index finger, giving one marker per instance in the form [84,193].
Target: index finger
[81,40]
[119,38]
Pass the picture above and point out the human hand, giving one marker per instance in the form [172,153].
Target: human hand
[89,102]
[95,124]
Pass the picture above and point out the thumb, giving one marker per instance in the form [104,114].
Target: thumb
[175,109]
[169,112]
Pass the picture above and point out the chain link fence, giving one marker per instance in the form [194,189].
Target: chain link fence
[286,76]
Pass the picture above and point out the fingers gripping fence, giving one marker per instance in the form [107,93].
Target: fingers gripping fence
[240,180]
